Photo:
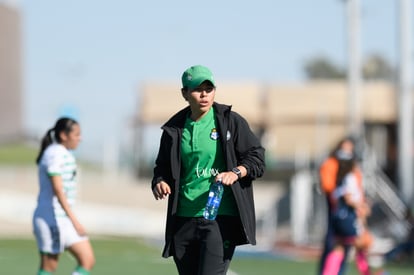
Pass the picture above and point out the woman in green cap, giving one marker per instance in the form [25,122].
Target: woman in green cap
[201,144]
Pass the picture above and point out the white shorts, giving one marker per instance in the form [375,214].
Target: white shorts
[56,236]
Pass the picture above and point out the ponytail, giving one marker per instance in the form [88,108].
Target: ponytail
[46,141]
[62,125]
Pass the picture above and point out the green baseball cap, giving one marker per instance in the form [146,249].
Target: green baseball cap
[195,75]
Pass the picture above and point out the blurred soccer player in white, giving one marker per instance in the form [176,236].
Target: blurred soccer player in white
[54,223]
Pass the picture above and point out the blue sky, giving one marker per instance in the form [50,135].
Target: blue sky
[89,57]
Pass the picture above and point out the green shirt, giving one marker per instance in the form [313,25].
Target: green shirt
[201,160]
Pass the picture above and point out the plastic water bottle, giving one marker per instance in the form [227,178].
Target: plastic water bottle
[213,201]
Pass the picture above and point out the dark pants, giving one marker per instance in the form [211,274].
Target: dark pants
[200,247]
[329,244]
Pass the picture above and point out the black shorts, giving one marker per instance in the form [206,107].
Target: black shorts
[203,247]
[344,223]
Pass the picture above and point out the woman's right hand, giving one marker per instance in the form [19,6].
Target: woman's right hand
[161,190]
[79,228]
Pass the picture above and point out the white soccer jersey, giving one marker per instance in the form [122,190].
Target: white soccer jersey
[349,187]
[56,160]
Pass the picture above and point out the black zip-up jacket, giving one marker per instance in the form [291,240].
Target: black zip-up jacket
[241,147]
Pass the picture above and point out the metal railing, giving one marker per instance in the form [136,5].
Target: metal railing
[381,189]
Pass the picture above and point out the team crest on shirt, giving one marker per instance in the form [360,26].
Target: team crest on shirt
[214,134]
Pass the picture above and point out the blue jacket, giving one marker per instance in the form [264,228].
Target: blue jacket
[241,147]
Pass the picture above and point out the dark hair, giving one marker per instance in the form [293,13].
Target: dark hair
[63,124]
[345,166]
[340,143]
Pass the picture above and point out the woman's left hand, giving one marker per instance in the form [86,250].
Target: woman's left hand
[227,178]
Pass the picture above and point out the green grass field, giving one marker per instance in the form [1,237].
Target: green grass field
[121,256]
[134,256]
[17,154]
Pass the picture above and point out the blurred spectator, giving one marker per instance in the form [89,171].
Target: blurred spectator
[345,149]
[347,218]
